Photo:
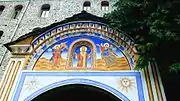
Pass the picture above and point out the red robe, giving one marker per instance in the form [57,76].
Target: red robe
[56,57]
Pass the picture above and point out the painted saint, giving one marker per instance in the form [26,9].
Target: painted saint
[107,54]
[56,58]
[82,57]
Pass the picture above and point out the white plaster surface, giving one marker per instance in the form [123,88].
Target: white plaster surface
[34,83]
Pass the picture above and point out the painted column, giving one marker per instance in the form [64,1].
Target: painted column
[13,68]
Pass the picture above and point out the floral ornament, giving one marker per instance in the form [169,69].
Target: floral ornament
[32,84]
[126,84]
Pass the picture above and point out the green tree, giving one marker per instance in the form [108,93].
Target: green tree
[154,25]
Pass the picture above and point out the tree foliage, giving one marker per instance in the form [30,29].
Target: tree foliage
[154,25]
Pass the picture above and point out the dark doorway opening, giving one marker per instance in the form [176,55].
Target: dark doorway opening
[76,92]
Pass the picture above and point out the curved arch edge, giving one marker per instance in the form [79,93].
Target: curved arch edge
[78,81]
[128,58]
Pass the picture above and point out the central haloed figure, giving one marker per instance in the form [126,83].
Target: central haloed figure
[82,57]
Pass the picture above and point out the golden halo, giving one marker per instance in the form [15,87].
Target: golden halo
[106,45]
[56,46]
[83,48]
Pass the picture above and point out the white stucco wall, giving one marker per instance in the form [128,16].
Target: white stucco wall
[31,84]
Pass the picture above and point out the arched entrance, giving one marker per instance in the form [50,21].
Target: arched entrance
[76,92]
[88,86]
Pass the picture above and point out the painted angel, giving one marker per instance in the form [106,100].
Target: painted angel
[56,58]
[107,54]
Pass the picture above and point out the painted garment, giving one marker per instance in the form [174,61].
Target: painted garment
[82,59]
[108,55]
[56,57]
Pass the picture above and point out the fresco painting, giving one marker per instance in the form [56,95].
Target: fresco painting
[63,55]
[111,58]
[82,57]
[56,55]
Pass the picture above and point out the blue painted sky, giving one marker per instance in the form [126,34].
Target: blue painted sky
[48,53]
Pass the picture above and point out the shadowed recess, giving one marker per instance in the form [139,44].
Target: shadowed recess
[76,92]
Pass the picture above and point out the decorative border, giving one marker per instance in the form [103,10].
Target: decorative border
[82,24]
[43,48]
[57,32]
[80,81]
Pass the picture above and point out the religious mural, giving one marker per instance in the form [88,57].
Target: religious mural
[82,57]
[82,53]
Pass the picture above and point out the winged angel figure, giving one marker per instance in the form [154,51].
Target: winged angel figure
[107,54]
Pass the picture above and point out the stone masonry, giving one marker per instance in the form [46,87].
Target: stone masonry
[29,18]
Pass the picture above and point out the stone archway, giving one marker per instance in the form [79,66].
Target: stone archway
[85,83]
[76,92]
[81,42]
